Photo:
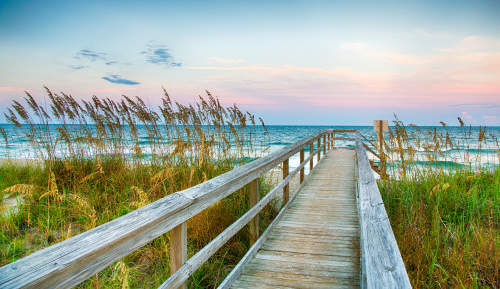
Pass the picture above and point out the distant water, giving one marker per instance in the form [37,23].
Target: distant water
[467,150]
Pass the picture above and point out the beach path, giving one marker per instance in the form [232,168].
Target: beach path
[316,242]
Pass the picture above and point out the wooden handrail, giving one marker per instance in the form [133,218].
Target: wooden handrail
[70,262]
[381,262]
[199,258]
[344,130]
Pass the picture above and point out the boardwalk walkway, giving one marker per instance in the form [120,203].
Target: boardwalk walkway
[322,237]
[316,243]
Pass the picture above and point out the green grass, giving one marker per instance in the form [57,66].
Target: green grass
[95,165]
[447,227]
[44,220]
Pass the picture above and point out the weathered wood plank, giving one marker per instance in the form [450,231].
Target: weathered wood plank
[253,198]
[235,273]
[315,244]
[178,249]
[286,189]
[301,179]
[382,265]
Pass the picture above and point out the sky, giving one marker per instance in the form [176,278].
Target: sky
[291,62]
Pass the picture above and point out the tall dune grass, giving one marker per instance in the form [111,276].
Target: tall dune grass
[446,217]
[95,164]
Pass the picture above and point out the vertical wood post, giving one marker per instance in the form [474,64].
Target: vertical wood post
[328,140]
[319,148]
[302,169]
[286,188]
[311,151]
[332,134]
[178,248]
[324,144]
[380,126]
[253,198]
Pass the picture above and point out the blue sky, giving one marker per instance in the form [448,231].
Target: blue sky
[292,62]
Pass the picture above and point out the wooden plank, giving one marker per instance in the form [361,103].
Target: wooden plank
[286,189]
[253,198]
[235,273]
[315,244]
[314,259]
[178,249]
[324,144]
[302,169]
[381,261]
[380,125]
[206,252]
[319,148]
[311,147]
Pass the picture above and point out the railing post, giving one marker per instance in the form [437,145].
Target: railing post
[380,126]
[311,151]
[253,198]
[332,134]
[178,248]
[286,188]
[302,169]
[319,148]
[324,144]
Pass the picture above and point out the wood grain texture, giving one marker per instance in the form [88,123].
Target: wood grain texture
[286,189]
[315,244]
[191,265]
[68,263]
[253,198]
[178,248]
[382,265]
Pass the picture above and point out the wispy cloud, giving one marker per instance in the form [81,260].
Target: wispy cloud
[91,55]
[77,67]
[159,54]
[87,56]
[115,78]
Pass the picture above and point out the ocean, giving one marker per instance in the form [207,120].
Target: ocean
[467,150]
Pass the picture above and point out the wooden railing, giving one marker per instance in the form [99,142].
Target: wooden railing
[70,262]
[381,262]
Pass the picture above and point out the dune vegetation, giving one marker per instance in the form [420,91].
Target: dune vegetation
[446,219]
[100,159]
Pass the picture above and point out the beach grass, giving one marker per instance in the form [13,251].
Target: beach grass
[100,159]
[447,225]
[446,219]
[91,168]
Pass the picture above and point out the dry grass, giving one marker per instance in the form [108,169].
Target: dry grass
[101,159]
[445,217]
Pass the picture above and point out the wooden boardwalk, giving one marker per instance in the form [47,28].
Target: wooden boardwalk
[316,243]
[322,237]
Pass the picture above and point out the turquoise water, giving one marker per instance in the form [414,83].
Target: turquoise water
[466,151]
